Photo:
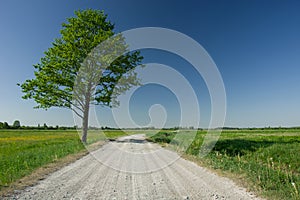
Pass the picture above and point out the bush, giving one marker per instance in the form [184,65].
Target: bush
[163,137]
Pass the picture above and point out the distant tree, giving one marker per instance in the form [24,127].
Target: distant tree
[45,126]
[1,125]
[59,71]
[5,125]
[16,124]
[62,128]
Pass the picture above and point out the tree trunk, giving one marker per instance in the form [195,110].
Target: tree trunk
[85,120]
[85,124]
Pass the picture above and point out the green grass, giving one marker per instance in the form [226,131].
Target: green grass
[22,151]
[162,137]
[268,160]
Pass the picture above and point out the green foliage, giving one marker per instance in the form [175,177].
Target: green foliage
[16,124]
[74,63]
[5,125]
[56,73]
[45,126]
[267,159]
[162,137]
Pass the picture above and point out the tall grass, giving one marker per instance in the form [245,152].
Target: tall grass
[268,160]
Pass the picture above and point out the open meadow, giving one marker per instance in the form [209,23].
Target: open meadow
[266,161]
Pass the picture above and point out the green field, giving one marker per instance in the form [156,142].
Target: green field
[267,160]
[22,151]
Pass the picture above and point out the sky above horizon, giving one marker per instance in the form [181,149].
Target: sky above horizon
[254,44]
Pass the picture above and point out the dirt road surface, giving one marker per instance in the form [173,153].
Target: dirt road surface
[131,168]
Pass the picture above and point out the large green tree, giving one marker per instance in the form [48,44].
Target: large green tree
[75,72]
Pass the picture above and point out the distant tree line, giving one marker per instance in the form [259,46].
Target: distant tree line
[261,128]
[17,125]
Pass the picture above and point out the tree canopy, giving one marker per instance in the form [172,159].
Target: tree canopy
[74,60]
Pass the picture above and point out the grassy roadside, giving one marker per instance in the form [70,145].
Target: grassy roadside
[266,160]
[24,152]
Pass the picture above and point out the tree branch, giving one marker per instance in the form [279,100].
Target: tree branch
[79,115]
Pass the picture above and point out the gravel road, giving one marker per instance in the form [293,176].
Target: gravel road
[131,168]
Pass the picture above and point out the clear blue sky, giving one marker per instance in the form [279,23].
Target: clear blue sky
[254,43]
